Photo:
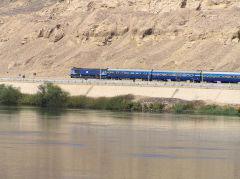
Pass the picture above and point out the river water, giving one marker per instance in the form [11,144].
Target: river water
[65,144]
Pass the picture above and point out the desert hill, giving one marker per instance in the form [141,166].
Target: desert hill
[49,37]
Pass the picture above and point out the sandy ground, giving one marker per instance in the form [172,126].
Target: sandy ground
[219,96]
[45,38]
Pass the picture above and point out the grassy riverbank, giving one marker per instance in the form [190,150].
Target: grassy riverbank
[50,95]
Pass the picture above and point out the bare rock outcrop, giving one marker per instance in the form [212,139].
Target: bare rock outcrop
[58,36]
[236,36]
[54,34]
[1,21]
[183,3]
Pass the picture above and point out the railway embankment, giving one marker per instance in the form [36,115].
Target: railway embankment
[210,93]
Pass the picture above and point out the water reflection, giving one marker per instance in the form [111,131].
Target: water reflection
[47,113]
[163,156]
[42,143]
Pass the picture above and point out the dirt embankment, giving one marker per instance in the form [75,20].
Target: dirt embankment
[168,95]
[46,38]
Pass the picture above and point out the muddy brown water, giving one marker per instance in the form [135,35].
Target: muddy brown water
[41,143]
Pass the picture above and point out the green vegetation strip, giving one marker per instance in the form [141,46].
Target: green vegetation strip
[50,95]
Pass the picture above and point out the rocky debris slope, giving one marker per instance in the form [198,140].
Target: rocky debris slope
[46,38]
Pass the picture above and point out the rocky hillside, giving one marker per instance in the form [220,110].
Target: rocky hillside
[45,38]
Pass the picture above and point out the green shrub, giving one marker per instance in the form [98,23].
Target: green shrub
[78,101]
[29,99]
[136,106]
[230,111]
[120,103]
[153,107]
[188,106]
[97,103]
[145,107]
[51,95]
[178,108]
[87,102]
[9,95]
[220,110]
[157,107]
[210,109]
[183,108]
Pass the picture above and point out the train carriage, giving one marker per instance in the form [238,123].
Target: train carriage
[176,75]
[227,77]
[129,74]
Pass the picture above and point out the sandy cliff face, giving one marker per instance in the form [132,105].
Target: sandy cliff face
[49,37]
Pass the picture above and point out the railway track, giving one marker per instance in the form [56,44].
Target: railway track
[125,82]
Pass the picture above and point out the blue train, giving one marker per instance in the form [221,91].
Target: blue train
[149,75]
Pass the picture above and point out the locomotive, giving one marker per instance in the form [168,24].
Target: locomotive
[160,75]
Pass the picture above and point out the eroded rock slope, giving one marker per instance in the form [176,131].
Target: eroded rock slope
[46,38]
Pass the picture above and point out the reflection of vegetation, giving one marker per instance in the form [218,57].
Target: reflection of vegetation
[48,112]
[50,95]
[9,109]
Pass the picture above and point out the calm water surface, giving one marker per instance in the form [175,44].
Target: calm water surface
[38,143]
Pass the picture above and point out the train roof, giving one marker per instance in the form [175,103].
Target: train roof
[131,70]
[88,68]
[174,71]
